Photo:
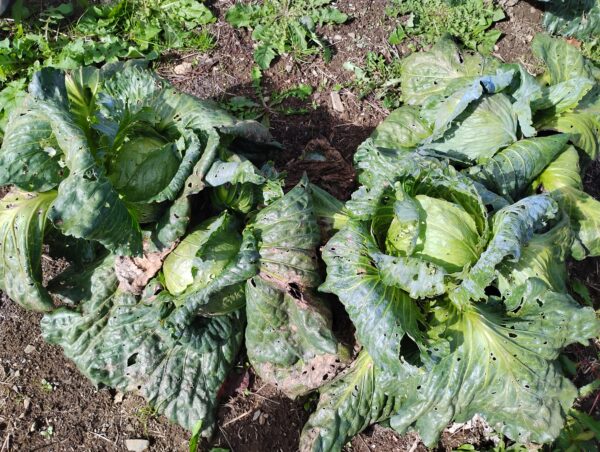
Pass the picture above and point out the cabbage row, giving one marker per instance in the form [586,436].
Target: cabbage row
[450,258]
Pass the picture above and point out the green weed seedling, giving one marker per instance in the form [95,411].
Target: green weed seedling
[275,102]
[286,26]
[428,20]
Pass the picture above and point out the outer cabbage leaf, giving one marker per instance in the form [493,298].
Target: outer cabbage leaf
[382,314]
[119,341]
[577,18]
[289,338]
[584,129]
[442,71]
[529,90]
[403,128]
[513,227]
[330,212]
[441,113]
[22,225]
[543,257]
[568,74]
[347,406]
[561,179]
[510,172]
[564,62]
[484,127]
[500,364]
[30,157]
[172,225]
[87,205]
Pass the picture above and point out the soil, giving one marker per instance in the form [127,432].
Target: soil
[46,404]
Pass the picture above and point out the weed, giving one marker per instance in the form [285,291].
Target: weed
[48,432]
[379,76]
[46,386]
[275,102]
[286,26]
[427,20]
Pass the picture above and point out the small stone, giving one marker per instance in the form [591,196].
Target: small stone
[352,35]
[288,68]
[118,397]
[137,445]
[26,403]
[29,349]
[256,415]
[337,38]
[336,102]
[183,68]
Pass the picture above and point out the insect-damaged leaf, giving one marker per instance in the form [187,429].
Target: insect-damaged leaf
[289,338]
[122,341]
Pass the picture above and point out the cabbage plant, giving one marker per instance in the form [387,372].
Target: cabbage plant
[109,157]
[451,262]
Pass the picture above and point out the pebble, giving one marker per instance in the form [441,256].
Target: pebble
[29,349]
[137,445]
[336,102]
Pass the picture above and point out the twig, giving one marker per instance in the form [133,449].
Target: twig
[226,440]
[364,442]
[103,437]
[414,445]
[237,418]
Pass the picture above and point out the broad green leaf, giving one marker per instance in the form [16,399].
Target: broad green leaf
[172,225]
[561,179]
[417,276]
[564,171]
[568,74]
[499,364]
[510,172]
[30,156]
[122,342]
[233,172]
[403,128]
[203,254]
[577,18]
[440,113]
[441,71]
[87,206]
[82,87]
[584,129]
[543,257]
[22,226]
[564,62]
[264,55]
[347,406]
[289,338]
[481,130]
[330,212]
[383,315]
[222,292]
[529,91]
[513,227]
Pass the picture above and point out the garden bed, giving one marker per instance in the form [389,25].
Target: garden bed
[46,404]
